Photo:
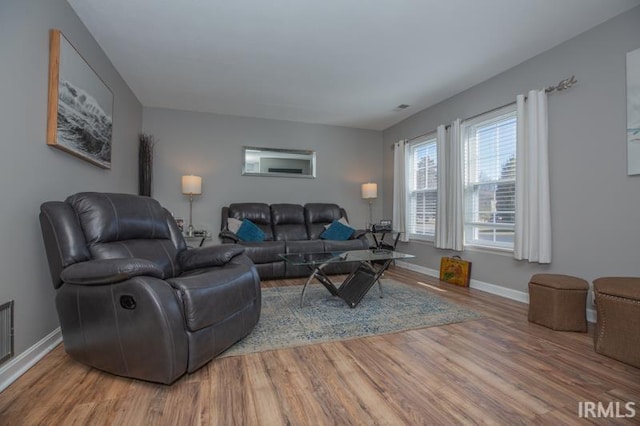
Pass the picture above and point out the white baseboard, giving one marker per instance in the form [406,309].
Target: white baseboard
[498,290]
[20,364]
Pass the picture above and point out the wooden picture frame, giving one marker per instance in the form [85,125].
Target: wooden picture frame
[80,108]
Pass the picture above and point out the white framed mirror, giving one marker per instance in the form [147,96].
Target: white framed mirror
[278,162]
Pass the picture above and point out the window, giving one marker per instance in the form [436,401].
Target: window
[422,188]
[490,179]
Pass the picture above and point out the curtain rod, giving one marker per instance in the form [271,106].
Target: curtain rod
[563,85]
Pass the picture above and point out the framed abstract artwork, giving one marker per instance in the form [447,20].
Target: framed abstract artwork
[633,112]
[80,105]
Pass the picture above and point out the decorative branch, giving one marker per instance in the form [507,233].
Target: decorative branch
[145,164]
[563,85]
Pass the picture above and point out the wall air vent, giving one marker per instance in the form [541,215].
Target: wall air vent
[6,331]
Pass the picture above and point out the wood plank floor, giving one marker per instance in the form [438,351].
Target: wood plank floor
[499,369]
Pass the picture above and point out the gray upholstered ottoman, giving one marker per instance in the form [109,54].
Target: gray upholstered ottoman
[558,302]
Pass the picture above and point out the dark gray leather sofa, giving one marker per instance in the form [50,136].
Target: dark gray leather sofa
[132,299]
[290,228]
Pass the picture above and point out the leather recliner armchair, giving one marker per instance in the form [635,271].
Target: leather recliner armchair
[132,300]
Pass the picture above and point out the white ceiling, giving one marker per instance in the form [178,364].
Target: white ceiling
[338,62]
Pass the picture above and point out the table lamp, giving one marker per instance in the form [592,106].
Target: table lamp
[370,193]
[191,185]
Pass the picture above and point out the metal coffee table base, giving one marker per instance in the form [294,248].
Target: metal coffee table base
[354,287]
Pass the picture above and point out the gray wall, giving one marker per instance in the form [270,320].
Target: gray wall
[595,206]
[210,145]
[30,171]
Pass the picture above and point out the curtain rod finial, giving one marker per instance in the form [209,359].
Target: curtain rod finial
[563,85]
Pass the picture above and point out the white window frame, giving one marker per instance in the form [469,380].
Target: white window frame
[473,224]
[412,191]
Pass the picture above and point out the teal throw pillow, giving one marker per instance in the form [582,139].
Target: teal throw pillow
[337,231]
[249,231]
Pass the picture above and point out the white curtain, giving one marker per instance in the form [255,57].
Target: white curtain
[455,189]
[450,216]
[400,190]
[533,213]
[442,221]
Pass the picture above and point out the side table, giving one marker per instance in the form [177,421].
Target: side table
[198,237]
[383,244]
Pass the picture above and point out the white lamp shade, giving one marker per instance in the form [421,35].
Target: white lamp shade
[191,184]
[369,190]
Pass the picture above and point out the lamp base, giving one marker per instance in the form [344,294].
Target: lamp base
[190,228]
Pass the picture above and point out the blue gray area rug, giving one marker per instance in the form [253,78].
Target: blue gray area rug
[323,318]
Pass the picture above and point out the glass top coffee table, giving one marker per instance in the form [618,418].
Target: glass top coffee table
[372,263]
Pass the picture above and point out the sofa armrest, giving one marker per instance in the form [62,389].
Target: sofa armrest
[204,257]
[359,233]
[108,271]
[227,237]
[242,259]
